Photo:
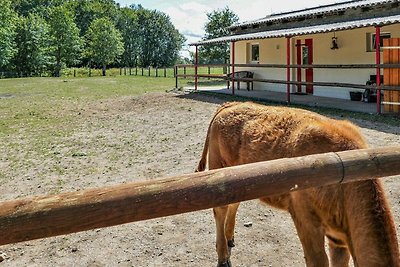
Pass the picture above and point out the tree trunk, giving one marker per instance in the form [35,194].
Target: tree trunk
[104,70]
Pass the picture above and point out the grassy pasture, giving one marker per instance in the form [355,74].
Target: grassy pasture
[37,114]
[35,102]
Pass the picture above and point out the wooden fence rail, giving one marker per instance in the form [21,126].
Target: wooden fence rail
[45,216]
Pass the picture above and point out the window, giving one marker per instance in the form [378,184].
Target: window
[255,53]
[371,40]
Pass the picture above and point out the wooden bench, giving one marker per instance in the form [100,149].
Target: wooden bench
[238,75]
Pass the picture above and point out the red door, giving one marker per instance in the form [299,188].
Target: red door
[308,59]
[305,57]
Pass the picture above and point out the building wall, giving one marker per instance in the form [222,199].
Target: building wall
[352,50]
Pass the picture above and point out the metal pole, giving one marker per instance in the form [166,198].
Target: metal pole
[378,69]
[288,68]
[196,79]
[233,67]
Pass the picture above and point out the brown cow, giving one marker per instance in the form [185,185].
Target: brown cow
[354,217]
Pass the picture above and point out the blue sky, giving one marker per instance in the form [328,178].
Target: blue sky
[189,16]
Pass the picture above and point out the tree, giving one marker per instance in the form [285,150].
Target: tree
[41,7]
[7,32]
[104,43]
[32,42]
[160,41]
[64,36]
[129,28]
[217,26]
[86,11]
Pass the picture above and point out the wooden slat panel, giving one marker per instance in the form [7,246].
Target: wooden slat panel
[392,76]
[392,71]
[396,94]
[395,78]
[386,72]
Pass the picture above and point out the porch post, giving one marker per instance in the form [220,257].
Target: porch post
[378,69]
[233,66]
[288,68]
[195,68]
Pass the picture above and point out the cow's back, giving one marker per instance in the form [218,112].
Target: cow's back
[249,132]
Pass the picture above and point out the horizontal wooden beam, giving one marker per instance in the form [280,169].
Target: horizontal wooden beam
[45,216]
[295,66]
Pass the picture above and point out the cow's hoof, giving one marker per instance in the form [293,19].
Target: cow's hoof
[231,243]
[225,264]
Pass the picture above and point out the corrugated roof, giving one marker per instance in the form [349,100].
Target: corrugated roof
[341,26]
[315,11]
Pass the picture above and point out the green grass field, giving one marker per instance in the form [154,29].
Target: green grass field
[35,110]
[37,114]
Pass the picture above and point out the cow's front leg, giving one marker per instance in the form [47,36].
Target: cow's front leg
[220,214]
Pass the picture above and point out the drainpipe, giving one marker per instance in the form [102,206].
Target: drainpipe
[233,67]
[196,68]
[288,68]
[378,69]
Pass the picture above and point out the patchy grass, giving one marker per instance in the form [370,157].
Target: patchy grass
[37,115]
[36,102]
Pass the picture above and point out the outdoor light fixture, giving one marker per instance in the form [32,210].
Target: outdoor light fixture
[334,42]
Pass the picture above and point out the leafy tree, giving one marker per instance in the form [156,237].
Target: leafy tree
[25,7]
[104,43]
[216,26]
[129,28]
[86,11]
[65,39]
[160,41]
[7,32]
[32,42]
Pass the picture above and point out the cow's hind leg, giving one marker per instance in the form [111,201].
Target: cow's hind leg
[311,234]
[230,224]
[339,254]
[220,215]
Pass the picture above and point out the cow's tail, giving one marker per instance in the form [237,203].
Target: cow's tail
[203,161]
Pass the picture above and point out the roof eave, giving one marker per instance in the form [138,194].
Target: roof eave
[317,29]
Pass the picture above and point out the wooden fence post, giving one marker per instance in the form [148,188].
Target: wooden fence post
[149,71]
[165,72]
[176,76]
[45,216]
[156,71]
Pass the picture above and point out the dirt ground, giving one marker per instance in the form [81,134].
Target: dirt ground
[146,137]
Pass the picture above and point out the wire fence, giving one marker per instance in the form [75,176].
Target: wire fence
[164,72]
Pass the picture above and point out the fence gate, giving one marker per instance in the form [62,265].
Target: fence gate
[391,55]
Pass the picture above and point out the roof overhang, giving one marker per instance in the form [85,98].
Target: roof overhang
[321,10]
[291,32]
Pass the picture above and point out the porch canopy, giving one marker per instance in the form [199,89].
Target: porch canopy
[292,32]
